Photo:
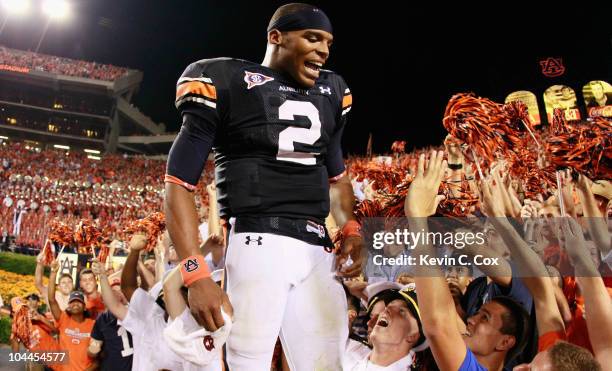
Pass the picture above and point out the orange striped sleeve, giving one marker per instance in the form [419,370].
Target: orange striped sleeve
[174,180]
[198,88]
[347,101]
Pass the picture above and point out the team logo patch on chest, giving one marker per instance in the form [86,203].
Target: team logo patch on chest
[209,342]
[255,79]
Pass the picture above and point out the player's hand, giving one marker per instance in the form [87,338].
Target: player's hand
[352,247]
[205,301]
[138,242]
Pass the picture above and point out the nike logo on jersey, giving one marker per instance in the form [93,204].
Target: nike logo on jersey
[249,239]
[255,79]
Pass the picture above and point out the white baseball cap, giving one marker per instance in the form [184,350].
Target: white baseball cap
[194,343]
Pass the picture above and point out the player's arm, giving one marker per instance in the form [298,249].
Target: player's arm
[55,309]
[342,198]
[436,304]
[196,98]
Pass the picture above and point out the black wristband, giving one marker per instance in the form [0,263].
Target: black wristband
[455,166]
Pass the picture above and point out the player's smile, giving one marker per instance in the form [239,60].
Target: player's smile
[309,50]
[313,68]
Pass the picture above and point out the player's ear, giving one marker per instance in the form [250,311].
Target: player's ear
[275,37]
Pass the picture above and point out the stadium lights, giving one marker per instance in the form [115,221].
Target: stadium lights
[3,137]
[59,146]
[94,157]
[93,151]
[56,9]
[16,7]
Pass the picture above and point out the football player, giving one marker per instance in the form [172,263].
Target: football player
[276,131]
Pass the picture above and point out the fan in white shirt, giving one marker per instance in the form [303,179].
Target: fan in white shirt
[396,334]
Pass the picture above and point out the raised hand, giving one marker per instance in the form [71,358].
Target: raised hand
[423,199]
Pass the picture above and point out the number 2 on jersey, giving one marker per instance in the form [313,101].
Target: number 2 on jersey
[286,138]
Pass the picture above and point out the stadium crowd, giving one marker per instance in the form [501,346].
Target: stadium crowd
[40,186]
[547,304]
[60,65]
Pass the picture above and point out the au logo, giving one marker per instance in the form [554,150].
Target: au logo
[191,265]
[552,67]
[255,79]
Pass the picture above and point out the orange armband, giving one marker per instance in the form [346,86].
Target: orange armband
[194,268]
[351,228]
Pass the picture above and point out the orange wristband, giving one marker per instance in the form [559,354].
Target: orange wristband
[351,228]
[194,268]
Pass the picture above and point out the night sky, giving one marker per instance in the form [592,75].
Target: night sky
[401,63]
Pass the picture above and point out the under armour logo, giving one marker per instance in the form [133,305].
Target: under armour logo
[191,265]
[209,343]
[325,90]
[258,240]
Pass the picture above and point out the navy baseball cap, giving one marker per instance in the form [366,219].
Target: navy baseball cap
[76,295]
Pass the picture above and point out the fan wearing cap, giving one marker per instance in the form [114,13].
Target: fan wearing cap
[496,332]
[276,128]
[397,333]
[74,325]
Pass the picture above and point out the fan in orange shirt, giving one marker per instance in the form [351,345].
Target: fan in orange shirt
[74,327]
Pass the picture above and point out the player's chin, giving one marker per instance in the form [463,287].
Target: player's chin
[307,79]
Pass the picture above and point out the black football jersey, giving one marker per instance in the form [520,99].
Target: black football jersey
[276,144]
[117,346]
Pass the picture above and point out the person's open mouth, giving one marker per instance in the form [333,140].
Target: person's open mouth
[313,67]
